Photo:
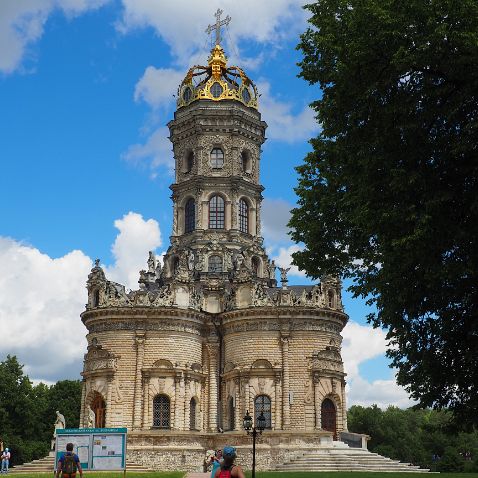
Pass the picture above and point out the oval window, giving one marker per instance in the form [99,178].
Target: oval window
[216,90]
[187,94]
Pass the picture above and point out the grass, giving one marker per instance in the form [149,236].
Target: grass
[265,474]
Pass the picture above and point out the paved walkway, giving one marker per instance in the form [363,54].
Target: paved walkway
[197,475]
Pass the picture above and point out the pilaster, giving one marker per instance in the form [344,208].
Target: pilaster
[286,382]
[138,386]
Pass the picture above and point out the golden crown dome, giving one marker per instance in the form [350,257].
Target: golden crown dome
[217,82]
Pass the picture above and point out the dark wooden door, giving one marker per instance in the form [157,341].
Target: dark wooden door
[329,417]
[99,407]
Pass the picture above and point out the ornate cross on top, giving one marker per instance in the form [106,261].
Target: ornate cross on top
[217,26]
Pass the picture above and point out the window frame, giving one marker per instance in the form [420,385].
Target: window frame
[160,419]
[189,216]
[216,160]
[217,212]
[260,404]
[243,211]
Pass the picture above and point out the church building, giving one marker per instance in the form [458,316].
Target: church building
[211,333]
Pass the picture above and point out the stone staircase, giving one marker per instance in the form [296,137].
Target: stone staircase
[45,465]
[340,457]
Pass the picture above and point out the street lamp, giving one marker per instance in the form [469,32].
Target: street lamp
[254,430]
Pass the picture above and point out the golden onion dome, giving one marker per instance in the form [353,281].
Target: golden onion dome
[217,82]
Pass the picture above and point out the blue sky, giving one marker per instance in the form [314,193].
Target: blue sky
[86,90]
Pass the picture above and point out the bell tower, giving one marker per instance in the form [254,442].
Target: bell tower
[217,133]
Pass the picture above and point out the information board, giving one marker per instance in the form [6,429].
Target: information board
[97,448]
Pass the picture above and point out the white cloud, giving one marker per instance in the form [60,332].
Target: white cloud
[22,23]
[182,23]
[41,298]
[136,237]
[283,124]
[40,302]
[157,86]
[283,258]
[156,152]
[362,343]
[275,214]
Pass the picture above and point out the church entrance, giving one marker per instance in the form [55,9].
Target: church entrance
[328,414]
[98,405]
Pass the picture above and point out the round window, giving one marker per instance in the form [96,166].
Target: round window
[246,96]
[187,94]
[216,90]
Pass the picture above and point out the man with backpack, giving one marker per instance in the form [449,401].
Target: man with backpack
[69,464]
[228,469]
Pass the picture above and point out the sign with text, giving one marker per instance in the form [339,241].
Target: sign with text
[100,449]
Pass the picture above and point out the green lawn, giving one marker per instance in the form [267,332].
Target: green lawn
[266,474]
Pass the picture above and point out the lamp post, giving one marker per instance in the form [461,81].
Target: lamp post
[254,431]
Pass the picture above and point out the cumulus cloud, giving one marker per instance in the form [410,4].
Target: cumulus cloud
[275,214]
[362,343]
[267,25]
[157,86]
[155,153]
[283,124]
[136,237]
[40,302]
[22,23]
[42,298]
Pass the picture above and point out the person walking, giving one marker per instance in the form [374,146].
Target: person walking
[216,461]
[69,464]
[228,469]
[6,455]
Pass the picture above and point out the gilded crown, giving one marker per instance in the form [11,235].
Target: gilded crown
[217,82]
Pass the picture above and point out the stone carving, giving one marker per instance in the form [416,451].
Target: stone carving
[283,274]
[91,418]
[190,259]
[195,299]
[164,297]
[158,271]
[60,423]
[271,268]
[259,296]
[151,263]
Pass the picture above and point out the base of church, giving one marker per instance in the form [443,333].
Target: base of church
[186,451]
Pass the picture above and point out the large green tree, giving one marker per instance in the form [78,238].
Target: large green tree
[389,196]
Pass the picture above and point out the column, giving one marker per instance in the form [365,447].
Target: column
[317,400]
[252,221]
[234,218]
[247,397]
[237,405]
[344,407]
[109,402]
[213,349]
[285,383]
[278,403]
[178,401]
[258,216]
[228,214]
[146,400]
[138,385]
[83,404]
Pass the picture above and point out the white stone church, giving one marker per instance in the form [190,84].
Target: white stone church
[210,334]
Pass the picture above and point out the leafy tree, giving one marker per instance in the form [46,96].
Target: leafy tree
[27,412]
[389,195]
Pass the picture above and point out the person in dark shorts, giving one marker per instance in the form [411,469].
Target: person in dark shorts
[228,468]
[69,464]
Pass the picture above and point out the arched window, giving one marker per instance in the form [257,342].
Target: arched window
[331,299]
[216,213]
[215,263]
[256,263]
[217,158]
[161,411]
[262,404]
[175,265]
[96,298]
[243,216]
[245,162]
[192,414]
[98,406]
[230,411]
[189,215]
[189,162]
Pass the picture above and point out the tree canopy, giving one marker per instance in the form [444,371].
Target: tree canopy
[27,412]
[389,197]
[426,438]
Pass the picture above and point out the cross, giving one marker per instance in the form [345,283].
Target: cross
[217,26]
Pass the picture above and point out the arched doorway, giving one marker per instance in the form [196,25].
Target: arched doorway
[98,405]
[328,414]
